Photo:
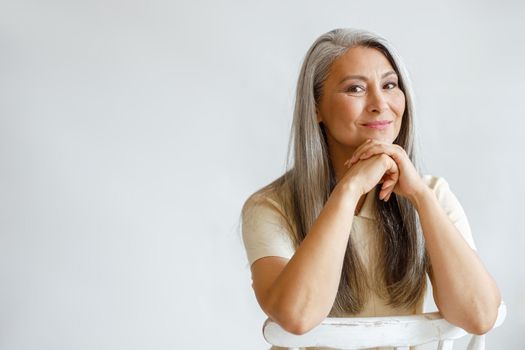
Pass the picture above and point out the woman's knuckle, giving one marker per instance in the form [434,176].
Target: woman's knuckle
[384,157]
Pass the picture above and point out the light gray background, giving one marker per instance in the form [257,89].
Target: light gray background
[131,132]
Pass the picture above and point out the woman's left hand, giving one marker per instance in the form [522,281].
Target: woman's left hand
[409,183]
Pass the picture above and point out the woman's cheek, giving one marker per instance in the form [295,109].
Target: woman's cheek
[401,103]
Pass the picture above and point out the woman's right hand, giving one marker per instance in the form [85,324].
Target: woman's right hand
[364,175]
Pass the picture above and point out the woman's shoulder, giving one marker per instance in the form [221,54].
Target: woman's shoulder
[433,181]
[265,229]
[436,183]
[264,204]
[261,198]
[443,193]
[450,203]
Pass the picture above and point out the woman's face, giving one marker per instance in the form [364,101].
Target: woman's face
[361,99]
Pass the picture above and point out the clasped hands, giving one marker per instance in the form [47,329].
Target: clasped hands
[388,164]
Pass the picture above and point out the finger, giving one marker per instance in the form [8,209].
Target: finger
[392,168]
[384,194]
[396,152]
[388,183]
[372,149]
[388,192]
[359,149]
[377,149]
[391,179]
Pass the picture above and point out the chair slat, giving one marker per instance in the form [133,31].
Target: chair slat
[366,332]
[445,344]
[477,342]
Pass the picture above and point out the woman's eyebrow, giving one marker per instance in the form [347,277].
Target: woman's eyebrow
[362,77]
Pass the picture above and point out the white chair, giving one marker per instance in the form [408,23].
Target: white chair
[400,332]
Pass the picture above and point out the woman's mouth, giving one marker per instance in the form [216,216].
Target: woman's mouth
[378,125]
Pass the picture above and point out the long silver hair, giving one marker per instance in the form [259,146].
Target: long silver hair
[305,187]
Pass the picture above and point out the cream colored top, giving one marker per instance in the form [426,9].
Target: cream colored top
[265,233]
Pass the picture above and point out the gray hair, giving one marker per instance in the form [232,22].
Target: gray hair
[304,189]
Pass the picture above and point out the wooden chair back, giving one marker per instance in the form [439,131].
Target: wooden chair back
[399,332]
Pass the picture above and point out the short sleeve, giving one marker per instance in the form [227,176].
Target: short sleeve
[264,230]
[451,206]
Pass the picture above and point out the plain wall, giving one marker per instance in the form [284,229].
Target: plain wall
[131,132]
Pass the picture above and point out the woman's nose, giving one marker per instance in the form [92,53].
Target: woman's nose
[377,101]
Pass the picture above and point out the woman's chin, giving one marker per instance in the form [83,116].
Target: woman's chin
[382,138]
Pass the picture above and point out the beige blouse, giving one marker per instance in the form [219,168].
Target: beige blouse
[265,233]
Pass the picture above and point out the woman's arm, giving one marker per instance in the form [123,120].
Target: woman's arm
[464,292]
[300,293]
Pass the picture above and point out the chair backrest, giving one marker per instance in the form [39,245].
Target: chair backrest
[400,332]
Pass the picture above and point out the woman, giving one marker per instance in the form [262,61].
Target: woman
[352,229]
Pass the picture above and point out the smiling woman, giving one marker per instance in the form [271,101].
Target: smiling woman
[361,99]
[352,228]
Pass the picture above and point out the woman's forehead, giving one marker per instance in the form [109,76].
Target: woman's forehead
[361,60]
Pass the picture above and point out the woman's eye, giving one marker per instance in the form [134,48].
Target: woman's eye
[390,85]
[355,89]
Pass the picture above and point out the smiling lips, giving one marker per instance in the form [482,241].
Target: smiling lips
[379,125]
